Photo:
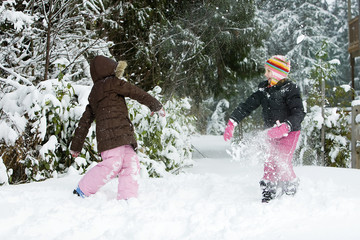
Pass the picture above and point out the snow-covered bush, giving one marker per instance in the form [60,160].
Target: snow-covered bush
[164,143]
[337,138]
[335,120]
[37,123]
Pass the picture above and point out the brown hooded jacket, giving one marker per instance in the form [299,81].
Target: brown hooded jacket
[108,107]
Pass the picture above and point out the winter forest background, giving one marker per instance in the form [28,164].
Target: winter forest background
[200,58]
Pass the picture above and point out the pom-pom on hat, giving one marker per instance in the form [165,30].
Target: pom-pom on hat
[280,66]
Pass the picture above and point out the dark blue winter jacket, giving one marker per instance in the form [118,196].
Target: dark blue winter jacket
[280,102]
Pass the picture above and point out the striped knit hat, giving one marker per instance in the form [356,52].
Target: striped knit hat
[280,66]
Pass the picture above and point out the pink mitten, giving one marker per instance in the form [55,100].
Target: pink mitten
[74,153]
[161,112]
[229,130]
[279,131]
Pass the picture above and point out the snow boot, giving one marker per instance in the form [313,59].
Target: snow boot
[290,187]
[78,192]
[269,191]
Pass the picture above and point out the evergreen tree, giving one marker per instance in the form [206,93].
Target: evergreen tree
[341,35]
[223,34]
[194,48]
[15,38]
[298,29]
[133,28]
[332,122]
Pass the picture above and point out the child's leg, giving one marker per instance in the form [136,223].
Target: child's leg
[279,166]
[286,149]
[104,171]
[268,184]
[128,176]
[270,168]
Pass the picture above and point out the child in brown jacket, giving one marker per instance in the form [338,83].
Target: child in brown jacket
[114,130]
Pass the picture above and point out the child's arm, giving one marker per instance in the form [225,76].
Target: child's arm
[246,108]
[82,129]
[229,130]
[126,89]
[243,110]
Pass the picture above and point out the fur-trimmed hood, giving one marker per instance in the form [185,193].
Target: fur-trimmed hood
[102,67]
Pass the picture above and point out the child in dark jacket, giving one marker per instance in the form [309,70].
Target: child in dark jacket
[283,112]
[114,130]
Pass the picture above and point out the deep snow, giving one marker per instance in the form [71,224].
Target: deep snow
[216,199]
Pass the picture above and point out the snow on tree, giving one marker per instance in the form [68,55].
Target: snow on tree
[311,21]
[321,116]
[54,40]
[217,122]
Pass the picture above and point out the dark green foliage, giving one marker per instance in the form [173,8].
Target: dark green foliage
[197,49]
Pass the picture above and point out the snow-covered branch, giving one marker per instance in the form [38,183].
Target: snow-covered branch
[18,76]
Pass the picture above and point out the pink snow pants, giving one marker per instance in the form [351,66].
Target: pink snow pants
[278,167]
[122,162]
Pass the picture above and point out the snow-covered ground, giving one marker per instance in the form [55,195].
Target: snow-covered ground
[216,199]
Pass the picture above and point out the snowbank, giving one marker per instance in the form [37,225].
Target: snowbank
[217,199]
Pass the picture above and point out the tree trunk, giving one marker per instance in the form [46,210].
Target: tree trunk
[47,55]
[323,124]
[48,42]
